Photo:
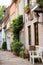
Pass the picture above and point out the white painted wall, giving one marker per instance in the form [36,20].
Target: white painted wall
[8,40]
[41,30]
[2,35]
[0,39]
[3,32]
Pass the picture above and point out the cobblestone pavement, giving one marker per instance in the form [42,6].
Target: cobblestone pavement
[7,58]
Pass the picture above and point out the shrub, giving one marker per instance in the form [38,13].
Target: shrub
[4,45]
[16,47]
[23,54]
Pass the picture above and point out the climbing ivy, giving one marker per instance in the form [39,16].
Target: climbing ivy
[17,26]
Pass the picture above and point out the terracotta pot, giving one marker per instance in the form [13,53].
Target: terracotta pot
[27,11]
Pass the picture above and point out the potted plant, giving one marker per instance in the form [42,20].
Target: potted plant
[16,47]
[27,9]
[40,2]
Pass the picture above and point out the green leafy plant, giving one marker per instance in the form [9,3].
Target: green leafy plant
[17,26]
[27,8]
[23,53]
[2,8]
[40,2]
[4,45]
[17,47]
[35,53]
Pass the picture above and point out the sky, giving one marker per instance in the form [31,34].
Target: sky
[5,2]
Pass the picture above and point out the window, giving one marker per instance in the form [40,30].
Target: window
[28,2]
[29,34]
[36,33]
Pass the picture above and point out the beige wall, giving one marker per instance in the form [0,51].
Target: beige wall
[40,31]
[12,8]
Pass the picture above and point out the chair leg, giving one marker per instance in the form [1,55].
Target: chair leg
[33,61]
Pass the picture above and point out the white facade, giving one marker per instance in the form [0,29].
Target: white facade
[0,39]
[8,40]
[2,35]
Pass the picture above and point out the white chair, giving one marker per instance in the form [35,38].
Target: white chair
[35,54]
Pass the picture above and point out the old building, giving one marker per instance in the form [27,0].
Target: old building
[33,25]
[19,10]
[7,24]
[32,32]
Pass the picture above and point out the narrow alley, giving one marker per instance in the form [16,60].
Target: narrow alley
[7,58]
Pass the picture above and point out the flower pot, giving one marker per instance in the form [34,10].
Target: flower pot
[27,11]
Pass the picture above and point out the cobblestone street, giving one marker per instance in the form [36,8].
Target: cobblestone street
[7,58]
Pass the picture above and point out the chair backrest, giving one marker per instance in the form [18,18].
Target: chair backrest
[32,48]
[36,52]
[39,51]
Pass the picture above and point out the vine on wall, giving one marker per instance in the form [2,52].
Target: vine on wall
[17,26]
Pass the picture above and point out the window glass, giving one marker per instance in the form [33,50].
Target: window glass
[36,33]
[29,34]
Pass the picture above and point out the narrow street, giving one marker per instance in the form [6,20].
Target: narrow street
[7,58]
